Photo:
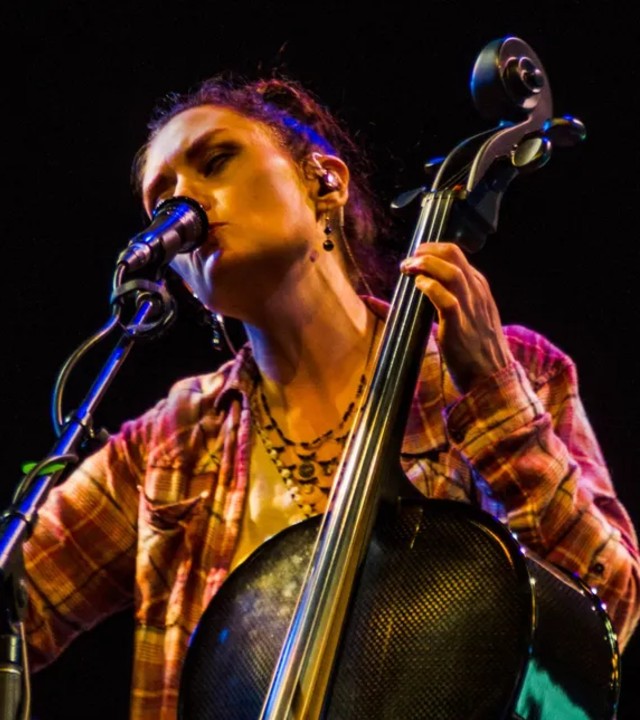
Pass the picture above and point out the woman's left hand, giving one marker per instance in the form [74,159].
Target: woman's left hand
[470,333]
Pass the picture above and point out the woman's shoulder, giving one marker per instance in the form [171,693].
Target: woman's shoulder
[235,375]
[208,384]
[192,397]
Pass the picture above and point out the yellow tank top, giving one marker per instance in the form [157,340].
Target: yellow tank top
[269,506]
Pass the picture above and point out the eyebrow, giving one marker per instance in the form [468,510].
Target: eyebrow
[201,142]
[161,181]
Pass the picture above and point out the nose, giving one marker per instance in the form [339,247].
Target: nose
[188,188]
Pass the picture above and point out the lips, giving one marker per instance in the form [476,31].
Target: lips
[212,242]
[213,230]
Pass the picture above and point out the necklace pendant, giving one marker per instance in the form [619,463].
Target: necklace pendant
[306,470]
[328,466]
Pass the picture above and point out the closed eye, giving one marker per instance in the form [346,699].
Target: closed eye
[210,164]
[217,158]
[215,163]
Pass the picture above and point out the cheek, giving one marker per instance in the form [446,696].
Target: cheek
[277,194]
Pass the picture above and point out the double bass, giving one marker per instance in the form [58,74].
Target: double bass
[391,605]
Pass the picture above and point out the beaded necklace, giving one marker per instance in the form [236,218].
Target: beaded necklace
[308,477]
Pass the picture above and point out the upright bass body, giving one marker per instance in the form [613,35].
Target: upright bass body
[452,621]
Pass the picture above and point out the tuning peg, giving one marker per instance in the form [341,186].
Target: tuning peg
[406,198]
[565,131]
[531,154]
[432,166]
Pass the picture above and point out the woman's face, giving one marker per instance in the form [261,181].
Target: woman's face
[263,220]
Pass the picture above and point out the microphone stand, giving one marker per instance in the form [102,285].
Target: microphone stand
[18,520]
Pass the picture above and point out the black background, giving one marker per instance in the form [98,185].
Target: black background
[80,81]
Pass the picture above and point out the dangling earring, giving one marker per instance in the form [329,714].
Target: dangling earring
[219,333]
[328,243]
[216,322]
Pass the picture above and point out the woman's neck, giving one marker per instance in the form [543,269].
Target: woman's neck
[312,349]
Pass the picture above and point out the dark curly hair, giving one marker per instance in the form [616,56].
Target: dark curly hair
[303,125]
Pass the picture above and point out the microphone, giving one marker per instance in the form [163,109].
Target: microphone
[179,224]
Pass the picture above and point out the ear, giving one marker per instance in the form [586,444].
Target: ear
[328,179]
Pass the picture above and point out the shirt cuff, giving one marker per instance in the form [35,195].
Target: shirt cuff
[501,404]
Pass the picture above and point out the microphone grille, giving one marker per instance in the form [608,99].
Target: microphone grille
[187,216]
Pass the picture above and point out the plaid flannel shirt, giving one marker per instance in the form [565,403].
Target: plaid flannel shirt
[151,519]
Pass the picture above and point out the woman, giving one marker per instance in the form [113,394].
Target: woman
[159,516]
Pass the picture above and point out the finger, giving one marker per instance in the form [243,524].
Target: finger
[446,250]
[445,302]
[445,272]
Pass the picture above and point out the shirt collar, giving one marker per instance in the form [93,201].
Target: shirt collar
[243,374]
